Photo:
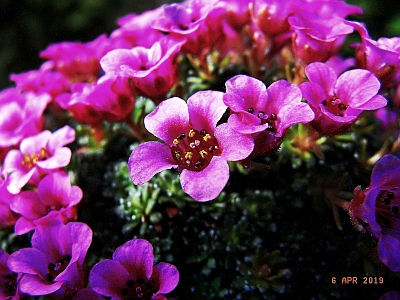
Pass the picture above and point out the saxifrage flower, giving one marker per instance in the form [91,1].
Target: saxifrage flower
[338,101]
[38,155]
[194,144]
[376,209]
[55,262]
[131,274]
[55,199]
[264,113]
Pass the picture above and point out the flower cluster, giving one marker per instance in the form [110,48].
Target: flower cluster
[226,86]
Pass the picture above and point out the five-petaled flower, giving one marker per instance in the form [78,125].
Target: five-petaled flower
[339,101]
[264,113]
[55,263]
[131,274]
[193,143]
[38,155]
[55,199]
[376,209]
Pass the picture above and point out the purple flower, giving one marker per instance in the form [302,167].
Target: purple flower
[37,155]
[21,115]
[55,199]
[55,263]
[376,209]
[131,274]
[8,279]
[91,103]
[382,57]
[193,144]
[338,101]
[152,71]
[265,113]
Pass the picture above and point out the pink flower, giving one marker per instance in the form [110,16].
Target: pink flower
[152,71]
[136,30]
[188,20]
[7,216]
[21,115]
[319,28]
[111,100]
[376,209]
[381,57]
[193,144]
[55,199]
[38,155]
[264,113]
[338,101]
[131,274]
[42,81]
[54,265]
[79,62]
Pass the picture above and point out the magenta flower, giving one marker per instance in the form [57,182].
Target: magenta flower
[55,199]
[319,28]
[381,57]
[21,115]
[54,265]
[42,81]
[8,279]
[37,155]
[264,113]
[187,20]
[131,274]
[338,101]
[152,71]
[136,30]
[79,62]
[7,216]
[111,100]
[376,209]
[193,144]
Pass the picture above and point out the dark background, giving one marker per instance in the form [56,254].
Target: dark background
[29,26]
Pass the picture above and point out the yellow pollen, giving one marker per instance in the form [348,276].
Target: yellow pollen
[175,141]
[191,133]
[188,155]
[206,137]
[177,155]
[203,153]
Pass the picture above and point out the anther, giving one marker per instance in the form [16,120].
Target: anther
[261,115]
[181,136]
[323,103]
[273,117]
[250,110]
[130,283]
[49,277]
[395,209]
[203,132]
[191,133]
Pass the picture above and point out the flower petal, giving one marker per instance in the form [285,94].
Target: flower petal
[323,75]
[235,146]
[36,286]
[61,137]
[169,119]
[147,160]
[28,261]
[60,158]
[206,109]
[137,257]
[243,92]
[355,87]
[166,277]
[386,172]
[388,252]
[207,184]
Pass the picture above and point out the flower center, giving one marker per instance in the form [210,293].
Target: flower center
[270,119]
[194,150]
[335,107]
[139,289]
[386,212]
[29,160]
[55,268]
